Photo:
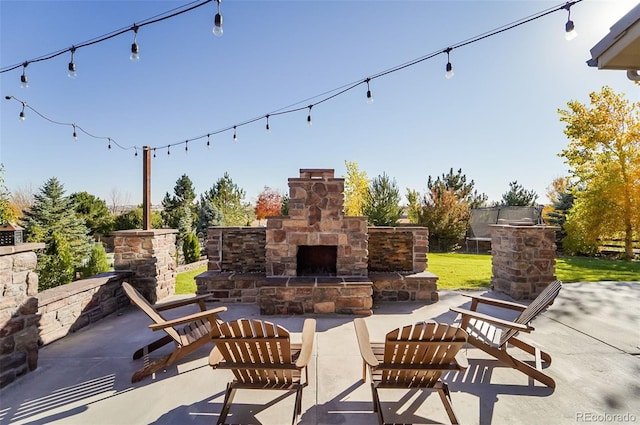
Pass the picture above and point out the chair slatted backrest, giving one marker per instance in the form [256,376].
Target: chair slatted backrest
[417,355]
[144,305]
[257,352]
[544,299]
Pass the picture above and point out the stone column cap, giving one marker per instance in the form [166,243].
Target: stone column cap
[140,232]
[22,247]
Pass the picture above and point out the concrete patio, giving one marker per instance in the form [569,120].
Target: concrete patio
[592,332]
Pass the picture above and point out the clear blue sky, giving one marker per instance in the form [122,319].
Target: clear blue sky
[496,118]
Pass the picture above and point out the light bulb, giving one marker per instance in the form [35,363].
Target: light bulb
[217,22]
[570,31]
[449,74]
[217,25]
[135,52]
[22,116]
[24,81]
[186,147]
[75,135]
[267,127]
[309,122]
[235,135]
[208,142]
[72,71]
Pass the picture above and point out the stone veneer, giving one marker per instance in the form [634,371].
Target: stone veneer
[316,217]
[19,317]
[523,259]
[70,307]
[151,256]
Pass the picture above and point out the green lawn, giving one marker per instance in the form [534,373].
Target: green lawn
[185,282]
[473,271]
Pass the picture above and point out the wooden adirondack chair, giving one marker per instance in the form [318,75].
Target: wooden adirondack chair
[493,335]
[188,338]
[261,356]
[412,357]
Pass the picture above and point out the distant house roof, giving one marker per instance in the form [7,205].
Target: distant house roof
[620,49]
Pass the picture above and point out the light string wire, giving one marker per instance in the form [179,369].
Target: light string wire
[152,20]
[327,95]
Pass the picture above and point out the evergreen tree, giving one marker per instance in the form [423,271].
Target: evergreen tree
[133,220]
[208,216]
[228,199]
[382,203]
[191,248]
[52,212]
[180,206]
[97,263]
[518,196]
[55,264]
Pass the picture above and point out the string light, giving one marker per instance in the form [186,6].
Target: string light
[24,81]
[72,66]
[186,147]
[135,51]
[217,22]
[267,128]
[324,97]
[136,153]
[75,135]
[449,69]
[569,29]
[109,145]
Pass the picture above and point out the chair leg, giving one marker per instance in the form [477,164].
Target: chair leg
[377,407]
[150,369]
[445,396]
[228,398]
[153,346]
[297,408]
[502,355]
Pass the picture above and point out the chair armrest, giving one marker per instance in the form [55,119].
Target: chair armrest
[496,303]
[188,319]
[461,360]
[308,335]
[215,358]
[179,303]
[492,320]
[362,333]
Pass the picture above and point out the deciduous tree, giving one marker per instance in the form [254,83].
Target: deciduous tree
[356,189]
[94,211]
[7,213]
[269,203]
[604,158]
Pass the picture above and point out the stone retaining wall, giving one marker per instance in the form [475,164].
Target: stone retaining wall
[18,311]
[69,307]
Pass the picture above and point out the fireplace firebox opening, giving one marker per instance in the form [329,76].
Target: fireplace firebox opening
[316,260]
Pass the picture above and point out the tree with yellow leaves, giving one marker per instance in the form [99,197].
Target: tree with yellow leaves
[604,158]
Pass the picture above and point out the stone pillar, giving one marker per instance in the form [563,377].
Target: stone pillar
[151,256]
[19,320]
[523,259]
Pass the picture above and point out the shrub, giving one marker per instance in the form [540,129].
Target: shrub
[97,263]
[191,248]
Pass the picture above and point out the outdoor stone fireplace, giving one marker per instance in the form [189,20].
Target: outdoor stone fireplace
[316,259]
[317,225]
